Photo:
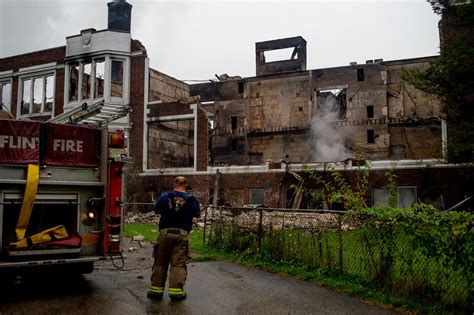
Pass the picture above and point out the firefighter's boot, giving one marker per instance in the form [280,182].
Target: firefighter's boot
[155,293]
[176,294]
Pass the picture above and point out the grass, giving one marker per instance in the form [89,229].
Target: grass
[150,231]
[352,285]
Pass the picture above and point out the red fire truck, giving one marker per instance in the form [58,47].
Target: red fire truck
[60,195]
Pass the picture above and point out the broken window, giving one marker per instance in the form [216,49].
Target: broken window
[370,111]
[73,82]
[37,95]
[49,94]
[257,196]
[370,136]
[5,95]
[99,66]
[86,80]
[26,99]
[360,74]
[117,78]
[234,122]
[240,87]
[171,144]
[332,101]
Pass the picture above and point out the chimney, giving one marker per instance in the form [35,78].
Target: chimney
[120,15]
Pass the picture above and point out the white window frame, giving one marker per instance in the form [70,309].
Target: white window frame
[32,76]
[10,81]
[125,99]
[386,190]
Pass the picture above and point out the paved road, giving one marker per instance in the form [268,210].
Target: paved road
[213,288]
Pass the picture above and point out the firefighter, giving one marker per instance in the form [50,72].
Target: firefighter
[176,210]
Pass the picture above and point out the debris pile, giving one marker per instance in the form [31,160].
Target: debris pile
[142,218]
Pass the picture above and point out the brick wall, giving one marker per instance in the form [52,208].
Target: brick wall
[34,59]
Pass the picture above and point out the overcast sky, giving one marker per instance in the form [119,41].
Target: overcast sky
[194,40]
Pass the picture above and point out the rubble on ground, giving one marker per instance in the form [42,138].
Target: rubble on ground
[142,217]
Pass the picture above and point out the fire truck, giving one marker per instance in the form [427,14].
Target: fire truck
[61,191]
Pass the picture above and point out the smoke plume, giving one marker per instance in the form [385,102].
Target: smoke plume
[327,139]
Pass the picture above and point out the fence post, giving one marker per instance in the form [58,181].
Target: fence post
[205,224]
[260,228]
[341,257]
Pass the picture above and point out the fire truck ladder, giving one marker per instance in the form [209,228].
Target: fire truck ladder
[97,114]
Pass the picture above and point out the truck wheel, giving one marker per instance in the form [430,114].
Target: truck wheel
[86,267]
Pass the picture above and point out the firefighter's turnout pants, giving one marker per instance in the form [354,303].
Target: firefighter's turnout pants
[172,250]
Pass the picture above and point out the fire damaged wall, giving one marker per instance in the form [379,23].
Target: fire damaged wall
[171,144]
[322,115]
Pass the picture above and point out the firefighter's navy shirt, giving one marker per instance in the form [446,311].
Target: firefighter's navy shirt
[181,219]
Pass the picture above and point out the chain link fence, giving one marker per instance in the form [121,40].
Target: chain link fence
[352,245]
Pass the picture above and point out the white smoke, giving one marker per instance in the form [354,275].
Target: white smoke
[326,138]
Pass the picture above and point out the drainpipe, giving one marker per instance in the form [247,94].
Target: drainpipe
[444,139]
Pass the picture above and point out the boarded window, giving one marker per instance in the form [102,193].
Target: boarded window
[406,196]
[380,196]
[257,196]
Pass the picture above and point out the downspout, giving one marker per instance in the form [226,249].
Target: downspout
[444,139]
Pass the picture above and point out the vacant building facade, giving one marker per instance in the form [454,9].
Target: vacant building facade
[255,137]
[244,141]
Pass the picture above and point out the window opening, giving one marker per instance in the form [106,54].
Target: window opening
[406,196]
[240,87]
[5,96]
[360,74]
[280,54]
[86,80]
[26,99]
[234,122]
[73,82]
[37,95]
[99,78]
[370,136]
[49,93]
[234,145]
[117,78]
[257,196]
[332,101]
[370,111]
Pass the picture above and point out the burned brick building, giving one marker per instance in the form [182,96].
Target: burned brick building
[245,141]
[252,138]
